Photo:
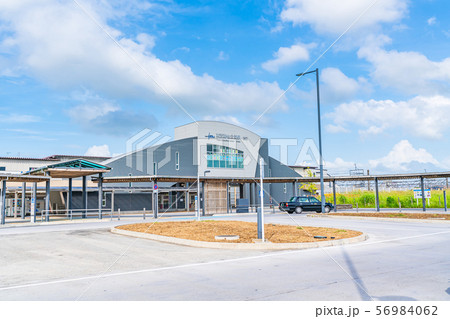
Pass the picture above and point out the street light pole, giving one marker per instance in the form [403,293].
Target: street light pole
[322,191]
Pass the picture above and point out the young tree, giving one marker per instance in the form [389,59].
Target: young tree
[310,187]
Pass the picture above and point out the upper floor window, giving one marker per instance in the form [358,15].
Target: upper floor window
[2,168]
[177,161]
[219,156]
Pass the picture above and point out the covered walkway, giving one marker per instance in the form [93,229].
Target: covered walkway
[70,170]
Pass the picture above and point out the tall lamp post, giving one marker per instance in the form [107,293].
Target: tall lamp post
[322,192]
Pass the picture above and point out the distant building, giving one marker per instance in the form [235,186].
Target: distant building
[17,165]
[303,170]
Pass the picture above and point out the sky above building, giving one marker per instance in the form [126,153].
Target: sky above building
[84,76]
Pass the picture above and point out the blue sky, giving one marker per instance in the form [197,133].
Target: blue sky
[79,77]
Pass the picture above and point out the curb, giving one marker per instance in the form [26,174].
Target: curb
[385,219]
[239,246]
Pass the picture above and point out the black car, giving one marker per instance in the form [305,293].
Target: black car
[298,204]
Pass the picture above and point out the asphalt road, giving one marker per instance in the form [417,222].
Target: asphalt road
[400,261]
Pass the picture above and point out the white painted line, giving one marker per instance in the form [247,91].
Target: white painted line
[210,263]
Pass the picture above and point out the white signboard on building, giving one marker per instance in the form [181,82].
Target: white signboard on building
[418,193]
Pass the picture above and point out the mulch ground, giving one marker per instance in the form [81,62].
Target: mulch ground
[397,215]
[208,229]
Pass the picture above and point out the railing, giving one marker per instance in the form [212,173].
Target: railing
[53,215]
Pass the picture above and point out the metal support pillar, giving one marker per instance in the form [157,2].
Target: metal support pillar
[33,204]
[377,197]
[47,200]
[3,203]
[255,200]
[15,204]
[250,197]
[255,197]
[100,195]
[112,202]
[24,191]
[187,200]
[155,200]
[334,196]
[84,204]
[260,214]
[228,197]
[155,204]
[445,200]
[69,199]
[203,199]
[424,205]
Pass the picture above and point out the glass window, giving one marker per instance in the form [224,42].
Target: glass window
[3,168]
[314,200]
[219,156]
[302,199]
[177,161]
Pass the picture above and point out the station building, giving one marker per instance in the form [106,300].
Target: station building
[218,162]
[223,157]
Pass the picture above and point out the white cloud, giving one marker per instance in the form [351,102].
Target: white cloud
[222,56]
[339,165]
[404,153]
[18,118]
[431,21]
[333,17]
[409,72]
[147,40]
[106,118]
[288,55]
[277,28]
[224,118]
[58,44]
[420,116]
[336,129]
[338,87]
[98,150]
[91,112]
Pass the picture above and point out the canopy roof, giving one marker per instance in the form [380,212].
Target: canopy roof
[23,178]
[71,169]
[159,178]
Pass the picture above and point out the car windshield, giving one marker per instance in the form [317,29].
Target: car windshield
[292,199]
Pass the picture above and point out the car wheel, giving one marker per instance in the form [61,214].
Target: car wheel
[327,209]
[298,210]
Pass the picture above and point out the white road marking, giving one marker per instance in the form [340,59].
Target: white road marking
[212,262]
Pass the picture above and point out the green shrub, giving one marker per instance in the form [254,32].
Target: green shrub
[391,202]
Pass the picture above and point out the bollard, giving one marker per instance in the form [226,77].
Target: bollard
[399,205]
[118,216]
[110,213]
[273,209]
[357,208]
[143,214]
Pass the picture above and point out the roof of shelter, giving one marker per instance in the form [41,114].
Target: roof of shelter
[70,169]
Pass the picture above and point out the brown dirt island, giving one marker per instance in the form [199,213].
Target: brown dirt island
[208,229]
[397,215]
